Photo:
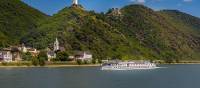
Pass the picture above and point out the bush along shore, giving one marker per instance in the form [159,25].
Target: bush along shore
[42,63]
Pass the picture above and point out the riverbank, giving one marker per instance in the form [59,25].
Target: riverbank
[47,64]
[26,64]
[178,62]
[51,66]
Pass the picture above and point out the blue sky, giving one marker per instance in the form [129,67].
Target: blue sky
[53,6]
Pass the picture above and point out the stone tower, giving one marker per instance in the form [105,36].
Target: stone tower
[75,2]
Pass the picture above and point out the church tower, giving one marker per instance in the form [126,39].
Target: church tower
[56,45]
[75,2]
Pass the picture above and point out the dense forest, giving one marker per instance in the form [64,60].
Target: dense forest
[16,20]
[132,32]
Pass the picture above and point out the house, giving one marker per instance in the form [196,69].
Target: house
[10,54]
[16,54]
[34,52]
[6,55]
[84,56]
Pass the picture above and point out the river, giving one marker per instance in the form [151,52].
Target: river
[170,76]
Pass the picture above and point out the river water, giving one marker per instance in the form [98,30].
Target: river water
[170,76]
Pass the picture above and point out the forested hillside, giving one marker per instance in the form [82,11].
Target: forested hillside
[138,32]
[16,20]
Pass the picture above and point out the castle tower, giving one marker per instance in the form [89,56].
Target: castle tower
[56,45]
[75,2]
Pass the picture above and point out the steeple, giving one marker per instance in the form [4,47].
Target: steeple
[56,45]
[75,2]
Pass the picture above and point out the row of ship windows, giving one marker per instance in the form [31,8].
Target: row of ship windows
[137,67]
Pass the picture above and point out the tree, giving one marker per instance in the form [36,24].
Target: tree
[43,55]
[93,61]
[85,62]
[41,61]
[35,61]
[99,61]
[27,56]
[169,57]
[62,56]
[79,62]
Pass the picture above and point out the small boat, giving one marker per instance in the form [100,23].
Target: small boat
[128,65]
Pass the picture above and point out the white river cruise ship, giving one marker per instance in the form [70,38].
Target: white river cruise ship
[128,65]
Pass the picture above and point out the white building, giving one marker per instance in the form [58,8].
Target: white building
[33,51]
[51,55]
[6,55]
[84,56]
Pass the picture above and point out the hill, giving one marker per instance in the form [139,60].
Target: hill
[138,32]
[16,20]
[184,18]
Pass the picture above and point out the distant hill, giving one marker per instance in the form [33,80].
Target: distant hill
[16,20]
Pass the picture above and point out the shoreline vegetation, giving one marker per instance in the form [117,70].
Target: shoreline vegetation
[48,64]
[73,64]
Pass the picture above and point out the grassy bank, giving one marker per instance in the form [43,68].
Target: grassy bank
[178,62]
[47,64]
[75,64]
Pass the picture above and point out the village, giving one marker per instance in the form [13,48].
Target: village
[16,54]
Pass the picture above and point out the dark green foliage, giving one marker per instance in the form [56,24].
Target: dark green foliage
[94,61]
[41,61]
[35,61]
[16,20]
[43,55]
[62,56]
[186,19]
[79,62]
[99,61]
[86,62]
[27,56]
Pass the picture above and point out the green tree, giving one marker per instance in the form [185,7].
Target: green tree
[62,56]
[99,61]
[27,56]
[35,61]
[43,55]
[86,62]
[41,61]
[79,62]
[93,61]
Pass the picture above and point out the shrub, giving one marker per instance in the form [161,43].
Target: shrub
[93,61]
[62,56]
[41,61]
[35,61]
[4,63]
[79,62]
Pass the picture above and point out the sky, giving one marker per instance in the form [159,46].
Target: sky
[51,7]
